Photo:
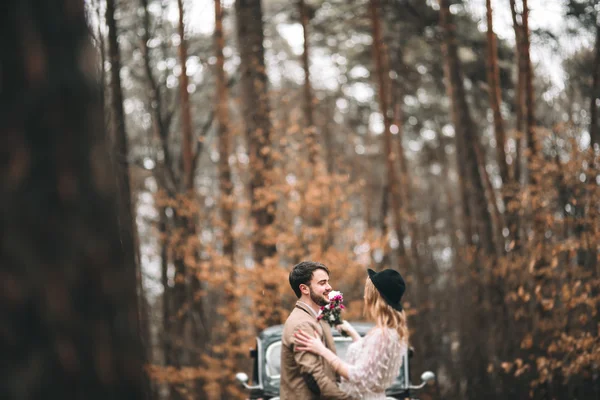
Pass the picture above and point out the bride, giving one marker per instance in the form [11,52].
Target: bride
[373,361]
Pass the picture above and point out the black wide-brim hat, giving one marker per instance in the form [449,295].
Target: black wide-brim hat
[390,285]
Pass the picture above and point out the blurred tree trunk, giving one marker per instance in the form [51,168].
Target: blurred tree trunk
[189,325]
[383,83]
[167,182]
[255,111]
[498,325]
[69,319]
[529,99]
[160,120]
[120,155]
[313,148]
[225,183]
[594,129]
[473,347]
[383,226]
[468,145]
[520,91]
[226,204]
[186,116]
[405,178]
[396,62]
[118,135]
[101,47]
[493,76]
[508,181]
[511,203]
[167,306]
[317,241]
[328,140]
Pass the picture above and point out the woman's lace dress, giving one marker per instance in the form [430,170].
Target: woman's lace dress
[373,364]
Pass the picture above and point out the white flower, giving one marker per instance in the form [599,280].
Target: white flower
[331,318]
[334,293]
[327,306]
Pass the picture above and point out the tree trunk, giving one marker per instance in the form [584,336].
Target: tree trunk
[226,201]
[102,49]
[313,148]
[328,139]
[186,116]
[120,151]
[311,212]
[189,327]
[167,308]
[255,112]
[512,219]
[225,182]
[466,136]
[529,99]
[118,135]
[383,227]
[405,179]
[594,129]
[161,125]
[520,90]
[69,318]
[382,74]
[493,75]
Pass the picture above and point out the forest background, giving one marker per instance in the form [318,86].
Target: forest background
[455,141]
[402,134]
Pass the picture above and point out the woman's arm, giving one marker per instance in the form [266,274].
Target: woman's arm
[313,344]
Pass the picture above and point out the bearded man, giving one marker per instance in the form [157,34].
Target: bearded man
[304,375]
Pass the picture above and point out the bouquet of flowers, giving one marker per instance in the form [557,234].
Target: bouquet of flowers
[331,312]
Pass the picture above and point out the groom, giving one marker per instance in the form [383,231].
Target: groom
[305,376]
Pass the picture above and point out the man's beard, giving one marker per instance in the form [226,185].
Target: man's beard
[319,300]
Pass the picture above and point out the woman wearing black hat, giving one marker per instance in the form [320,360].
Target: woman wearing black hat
[373,361]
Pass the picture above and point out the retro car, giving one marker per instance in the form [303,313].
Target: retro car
[264,381]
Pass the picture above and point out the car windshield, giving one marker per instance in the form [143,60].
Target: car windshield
[273,357]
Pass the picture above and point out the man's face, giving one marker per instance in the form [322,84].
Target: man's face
[319,287]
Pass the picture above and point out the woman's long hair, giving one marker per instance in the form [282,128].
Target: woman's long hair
[384,316]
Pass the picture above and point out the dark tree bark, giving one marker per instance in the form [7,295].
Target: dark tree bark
[68,300]
[328,139]
[468,144]
[160,119]
[520,90]
[308,99]
[118,134]
[529,98]
[311,214]
[383,83]
[512,219]
[405,178]
[101,47]
[167,304]
[120,152]
[186,116]
[226,202]
[493,75]
[226,185]
[255,111]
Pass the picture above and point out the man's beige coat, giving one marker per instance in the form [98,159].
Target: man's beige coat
[305,376]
